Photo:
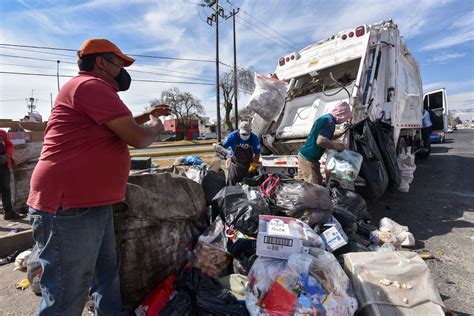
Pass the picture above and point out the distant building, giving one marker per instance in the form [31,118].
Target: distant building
[207,129]
[174,126]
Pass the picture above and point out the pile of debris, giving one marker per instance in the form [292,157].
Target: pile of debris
[280,246]
[272,245]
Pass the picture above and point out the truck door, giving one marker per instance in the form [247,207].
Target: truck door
[436,103]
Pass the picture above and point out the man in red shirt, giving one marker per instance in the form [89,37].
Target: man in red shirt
[82,172]
[6,154]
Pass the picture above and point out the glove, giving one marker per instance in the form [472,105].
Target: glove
[252,168]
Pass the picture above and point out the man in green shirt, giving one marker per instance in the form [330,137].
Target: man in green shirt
[319,139]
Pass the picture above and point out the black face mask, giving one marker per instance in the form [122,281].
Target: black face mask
[123,78]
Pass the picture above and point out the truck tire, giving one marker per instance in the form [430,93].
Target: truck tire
[423,153]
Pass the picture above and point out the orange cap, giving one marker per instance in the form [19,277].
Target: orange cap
[101,45]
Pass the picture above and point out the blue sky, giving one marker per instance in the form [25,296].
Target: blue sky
[439,33]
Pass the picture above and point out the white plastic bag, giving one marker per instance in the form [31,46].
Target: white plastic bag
[407,167]
[268,98]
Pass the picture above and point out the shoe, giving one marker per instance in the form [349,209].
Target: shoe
[12,215]
[9,258]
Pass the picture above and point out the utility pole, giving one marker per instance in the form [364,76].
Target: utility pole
[57,74]
[215,18]
[51,96]
[236,90]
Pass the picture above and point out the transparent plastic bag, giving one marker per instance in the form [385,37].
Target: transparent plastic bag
[268,97]
[343,165]
[210,254]
[305,283]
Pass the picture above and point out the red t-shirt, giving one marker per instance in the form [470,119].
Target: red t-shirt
[82,163]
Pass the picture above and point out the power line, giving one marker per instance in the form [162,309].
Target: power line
[40,59]
[131,70]
[139,80]
[177,71]
[36,51]
[263,23]
[134,55]
[270,35]
[263,36]
[73,63]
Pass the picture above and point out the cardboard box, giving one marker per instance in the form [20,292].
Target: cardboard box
[278,237]
[34,136]
[334,237]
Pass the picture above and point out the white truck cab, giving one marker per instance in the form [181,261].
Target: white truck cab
[368,66]
[436,103]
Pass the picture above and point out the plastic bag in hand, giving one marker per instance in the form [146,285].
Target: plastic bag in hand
[268,97]
[344,165]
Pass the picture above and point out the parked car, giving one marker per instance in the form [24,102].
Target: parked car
[449,130]
[438,137]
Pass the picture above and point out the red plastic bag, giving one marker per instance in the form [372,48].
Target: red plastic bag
[156,300]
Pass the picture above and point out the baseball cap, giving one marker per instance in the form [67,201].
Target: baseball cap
[102,45]
[245,128]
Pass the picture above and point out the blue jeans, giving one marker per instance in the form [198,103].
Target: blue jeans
[79,257]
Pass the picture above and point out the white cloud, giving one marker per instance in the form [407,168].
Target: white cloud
[445,57]
[449,41]
[454,87]
[461,101]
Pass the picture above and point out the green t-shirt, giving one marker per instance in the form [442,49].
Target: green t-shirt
[325,125]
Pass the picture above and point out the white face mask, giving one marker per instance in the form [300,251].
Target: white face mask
[245,137]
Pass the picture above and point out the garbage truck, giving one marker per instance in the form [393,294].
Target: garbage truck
[369,67]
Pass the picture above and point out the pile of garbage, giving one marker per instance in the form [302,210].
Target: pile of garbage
[271,245]
[280,246]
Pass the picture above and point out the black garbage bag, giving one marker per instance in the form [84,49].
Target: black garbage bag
[255,181]
[200,295]
[240,206]
[364,228]
[212,183]
[373,168]
[348,201]
[291,197]
[243,264]
[384,136]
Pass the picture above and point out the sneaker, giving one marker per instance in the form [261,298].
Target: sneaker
[8,216]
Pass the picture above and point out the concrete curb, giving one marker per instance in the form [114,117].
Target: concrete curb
[171,144]
[173,153]
[18,241]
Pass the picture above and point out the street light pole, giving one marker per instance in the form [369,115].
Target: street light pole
[57,74]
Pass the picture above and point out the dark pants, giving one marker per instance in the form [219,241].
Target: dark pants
[5,188]
[425,134]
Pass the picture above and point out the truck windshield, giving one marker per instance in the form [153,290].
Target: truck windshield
[319,81]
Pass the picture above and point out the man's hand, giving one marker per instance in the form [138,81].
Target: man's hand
[346,126]
[339,147]
[160,110]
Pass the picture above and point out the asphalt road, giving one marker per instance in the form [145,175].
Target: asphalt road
[439,211]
